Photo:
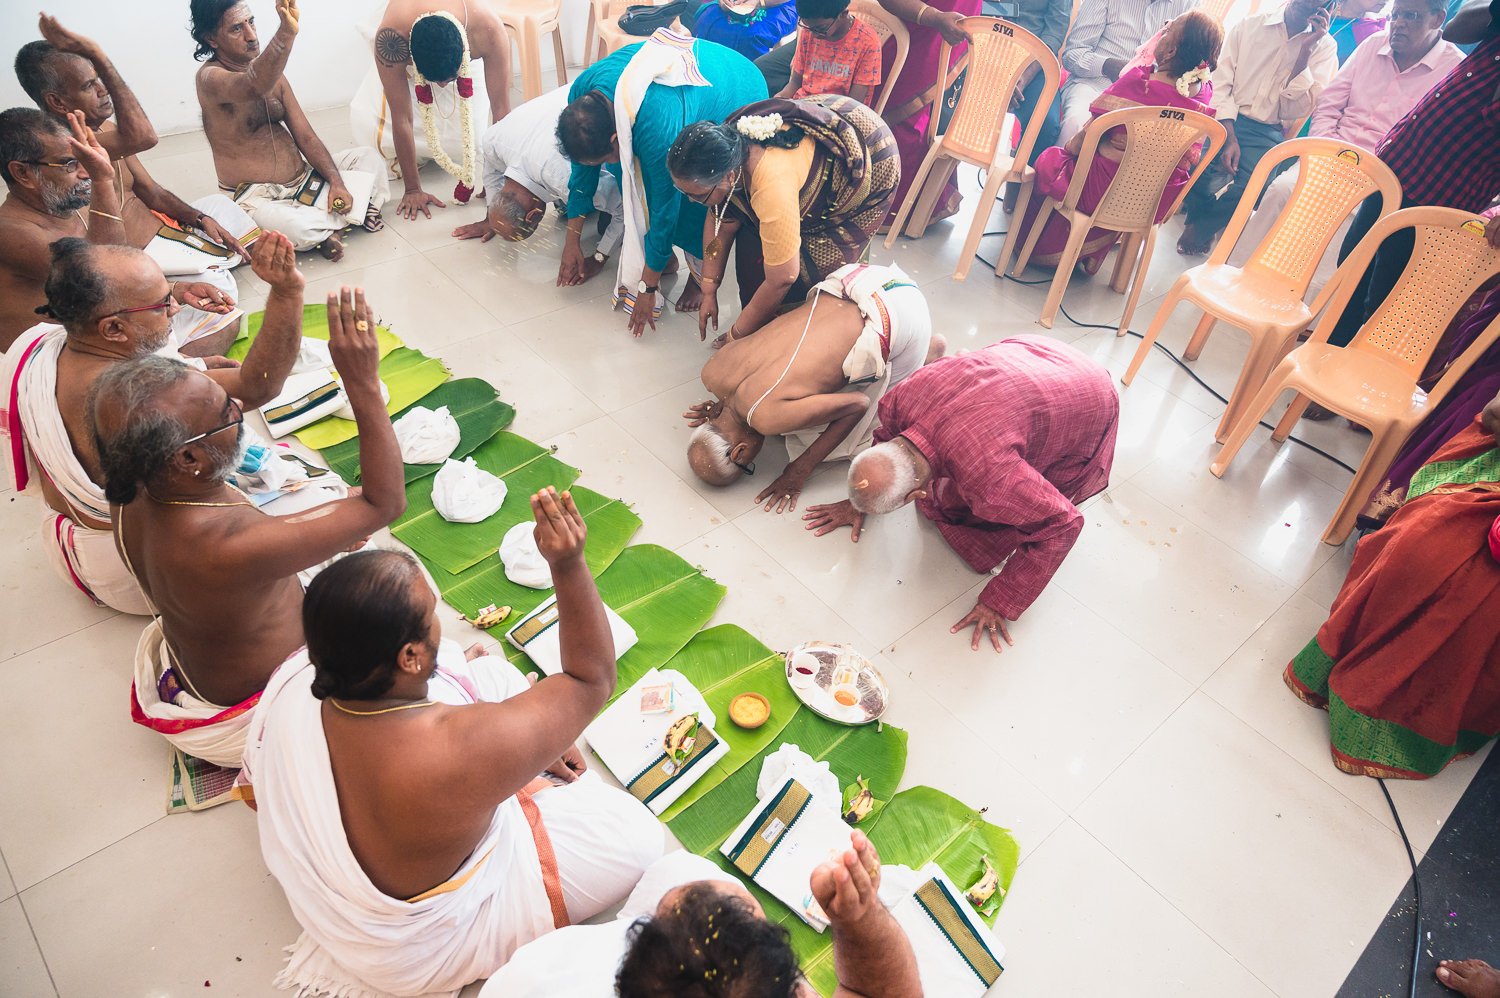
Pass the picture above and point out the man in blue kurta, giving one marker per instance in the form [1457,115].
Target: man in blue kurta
[662,86]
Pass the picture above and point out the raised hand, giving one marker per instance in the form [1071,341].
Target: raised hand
[831,516]
[984,620]
[848,888]
[87,150]
[418,201]
[291,17]
[202,296]
[560,530]
[352,340]
[275,262]
[64,40]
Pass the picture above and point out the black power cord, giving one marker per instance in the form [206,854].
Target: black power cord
[1416,942]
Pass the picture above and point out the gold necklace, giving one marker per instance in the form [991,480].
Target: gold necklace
[383,710]
[187,502]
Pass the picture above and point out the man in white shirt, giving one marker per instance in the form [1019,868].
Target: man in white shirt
[1381,82]
[1105,36]
[524,169]
[1271,72]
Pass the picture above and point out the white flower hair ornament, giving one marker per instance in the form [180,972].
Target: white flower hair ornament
[464,173]
[1191,79]
[760,127]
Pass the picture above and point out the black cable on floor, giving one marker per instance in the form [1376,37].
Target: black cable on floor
[1416,886]
[1170,355]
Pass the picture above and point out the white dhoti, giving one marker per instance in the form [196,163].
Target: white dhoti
[370,117]
[1277,193]
[1077,95]
[200,729]
[561,855]
[891,347]
[300,210]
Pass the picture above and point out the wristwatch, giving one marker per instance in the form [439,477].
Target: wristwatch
[600,257]
[645,289]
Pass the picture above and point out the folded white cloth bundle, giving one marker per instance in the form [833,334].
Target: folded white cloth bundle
[313,355]
[347,412]
[536,635]
[305,398]
[631,743]
[463,492]
[790,760]
[524,564]
[426,436]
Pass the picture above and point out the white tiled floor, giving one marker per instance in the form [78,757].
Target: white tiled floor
[1182,830]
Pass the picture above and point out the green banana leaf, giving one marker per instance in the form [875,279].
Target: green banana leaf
[723,662]
[878,755]
[920,826]
[408,373]
[472,402]
[526,467]
[611,525]
[662,597]
[314,324]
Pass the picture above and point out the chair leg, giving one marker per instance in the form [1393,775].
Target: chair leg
[1200,337]
[1013,227]
[1260,361]
[927,201]
[1077,233]
[1163,313]
[1042,218]
[559,56]
[1247,423]
[588,32]
[1288,421]
[976,227]
[912,193]
[1139,266]
[1378,458]
[1125,260]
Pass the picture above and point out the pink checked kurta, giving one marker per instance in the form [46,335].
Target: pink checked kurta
[1017,434]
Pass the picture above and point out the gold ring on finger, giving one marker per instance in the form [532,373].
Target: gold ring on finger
[362,325]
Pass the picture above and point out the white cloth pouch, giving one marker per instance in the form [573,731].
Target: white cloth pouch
[631,744]
[306,398]
[524,564]
[536,634]
[426,436]
[463,492]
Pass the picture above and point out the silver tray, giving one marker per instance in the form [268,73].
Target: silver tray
[818,670]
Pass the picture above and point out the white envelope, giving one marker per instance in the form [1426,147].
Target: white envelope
[536,634]
[630,744]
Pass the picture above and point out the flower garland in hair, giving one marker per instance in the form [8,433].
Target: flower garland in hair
[1192,78]
[760,127]
[465,84]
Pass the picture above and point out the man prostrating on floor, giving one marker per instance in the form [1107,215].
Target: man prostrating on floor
[814,375]
[997,447]
[397,785]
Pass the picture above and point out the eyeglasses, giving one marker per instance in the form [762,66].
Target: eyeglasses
[165,303]
[823,32]
[748,469]
[239,418]
[70,164]
[1410,15]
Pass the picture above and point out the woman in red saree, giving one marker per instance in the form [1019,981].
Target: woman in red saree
[1187,50]
[1408,663]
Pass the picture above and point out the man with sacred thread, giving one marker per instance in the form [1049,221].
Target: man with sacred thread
[450,59]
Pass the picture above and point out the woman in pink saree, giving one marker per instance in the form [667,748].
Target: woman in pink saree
[1186,51]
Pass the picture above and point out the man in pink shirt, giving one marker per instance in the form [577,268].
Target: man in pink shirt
[996,446]
[1381,82]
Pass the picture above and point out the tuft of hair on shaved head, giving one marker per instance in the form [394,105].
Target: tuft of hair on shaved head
[881,478]
[708,455]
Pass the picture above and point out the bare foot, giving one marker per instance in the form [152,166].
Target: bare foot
[691,298]
[936,348]
[332,248]
[1471,978]
[1193,242]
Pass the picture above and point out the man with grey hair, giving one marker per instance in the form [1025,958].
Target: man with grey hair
[111,304]
[220,574]
[813,375]
[997,447]
[59,183]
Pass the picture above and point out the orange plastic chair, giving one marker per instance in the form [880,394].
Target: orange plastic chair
[604,25]
[1265,296]
[1156,140]
[998,53]
[886,25]
[1373,381]
[527,21]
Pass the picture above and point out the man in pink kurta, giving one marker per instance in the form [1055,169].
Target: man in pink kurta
[997,447]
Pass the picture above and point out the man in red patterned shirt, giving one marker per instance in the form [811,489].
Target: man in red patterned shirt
[997,447]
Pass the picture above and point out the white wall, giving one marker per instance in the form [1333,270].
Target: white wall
[149,44]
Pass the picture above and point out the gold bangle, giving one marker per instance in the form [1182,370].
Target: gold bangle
[105,214]
[925,8]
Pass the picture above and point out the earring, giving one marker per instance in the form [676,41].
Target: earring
[197,472]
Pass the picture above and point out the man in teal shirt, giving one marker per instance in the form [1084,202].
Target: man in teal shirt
[586,132]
